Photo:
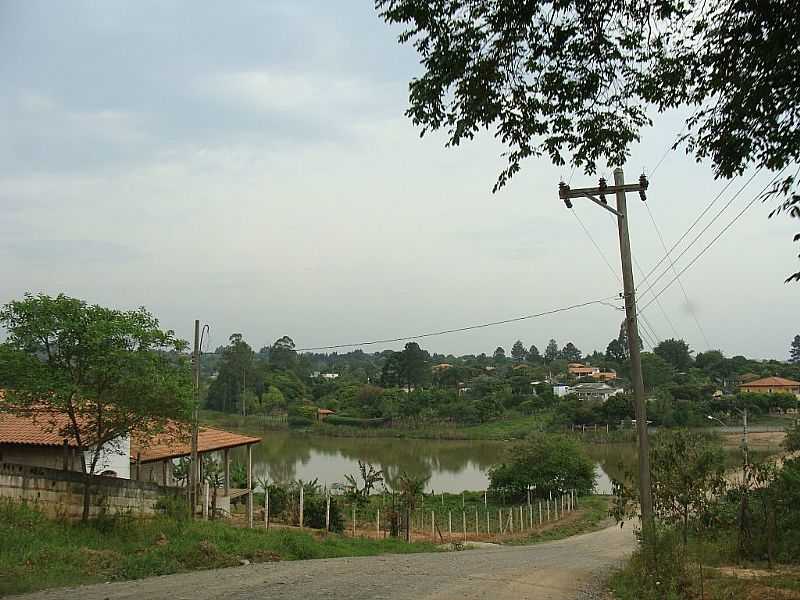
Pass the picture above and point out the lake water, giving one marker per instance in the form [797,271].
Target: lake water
[453,466]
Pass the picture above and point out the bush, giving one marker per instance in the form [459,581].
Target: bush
[314,512]
[548,463]
[354,421]
[298,422]
[174,507]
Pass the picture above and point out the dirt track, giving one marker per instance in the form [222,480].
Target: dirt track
[562,570]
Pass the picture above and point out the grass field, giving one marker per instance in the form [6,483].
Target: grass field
[38,553]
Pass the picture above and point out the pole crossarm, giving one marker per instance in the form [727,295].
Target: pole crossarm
[566,193]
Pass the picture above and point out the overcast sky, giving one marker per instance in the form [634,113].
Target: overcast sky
[249,164]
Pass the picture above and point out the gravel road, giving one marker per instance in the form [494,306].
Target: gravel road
[568,569]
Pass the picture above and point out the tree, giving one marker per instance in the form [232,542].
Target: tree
[615,351]
[410,488]
[687,472]
[794,351]
[577,78]
[675,352]
[273,399]
[95,374]
[414,365]
[518,352]
[533,355]
[551,352]
[236,374]
[499,354]
[570,353]
[655,371]
[549,463]
[282,354]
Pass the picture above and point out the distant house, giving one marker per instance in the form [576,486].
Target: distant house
[560,390]
[441,367]
[323,413]
[771,385]
[329,375]
[580,370]
[594,391]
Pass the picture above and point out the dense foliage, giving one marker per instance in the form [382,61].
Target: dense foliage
[544,464]
[416,387]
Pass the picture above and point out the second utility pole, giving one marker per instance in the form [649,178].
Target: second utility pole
[632,326]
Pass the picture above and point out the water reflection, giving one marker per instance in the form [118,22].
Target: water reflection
[452,466]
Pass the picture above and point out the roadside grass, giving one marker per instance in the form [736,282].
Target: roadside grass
[38,553]
[590,515]
[721,577]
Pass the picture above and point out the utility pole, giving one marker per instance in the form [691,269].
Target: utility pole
[620,189]
[195,467]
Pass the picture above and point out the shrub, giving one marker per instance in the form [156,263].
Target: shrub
[354,421]
[298,422]
[548,463]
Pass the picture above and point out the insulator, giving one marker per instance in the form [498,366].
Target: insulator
[603,187]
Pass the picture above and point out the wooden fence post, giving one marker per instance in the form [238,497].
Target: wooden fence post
[378,523]
[540,512]
[433,526]
[328,511]
[477,531]
[500,520]
[354,521]
[205,499]
[450,524]
[301,506]
[464,523]
[548,509]
[266,507]
[488,525]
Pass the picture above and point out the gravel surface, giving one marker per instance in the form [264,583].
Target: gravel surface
[567,569]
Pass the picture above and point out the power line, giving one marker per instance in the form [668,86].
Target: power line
[692,226]
[602,301]
[719,235]
[699,235]
[674,270]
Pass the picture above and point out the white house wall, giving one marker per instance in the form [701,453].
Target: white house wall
[114,456]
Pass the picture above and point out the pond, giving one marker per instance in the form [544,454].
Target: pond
[453,466]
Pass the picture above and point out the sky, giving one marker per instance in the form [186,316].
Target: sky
[250,165]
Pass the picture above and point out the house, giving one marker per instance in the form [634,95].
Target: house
[771,385]
[329,375]
[594,391]
[580,370]
[323,413]
[560,390]
[32,439]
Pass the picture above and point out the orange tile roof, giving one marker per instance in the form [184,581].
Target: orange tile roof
[772,381]
[176,442]
[39,428]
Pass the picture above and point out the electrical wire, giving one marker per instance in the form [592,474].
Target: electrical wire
[699,235]
[685,233]
[719,235]
[601,301]
[674,270]
[603,256]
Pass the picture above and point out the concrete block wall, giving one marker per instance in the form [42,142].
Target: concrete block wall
[60,493]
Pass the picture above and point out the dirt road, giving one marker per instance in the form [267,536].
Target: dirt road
[562,570]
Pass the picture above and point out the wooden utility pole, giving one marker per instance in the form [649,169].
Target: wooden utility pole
[620,189]
[195,467]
